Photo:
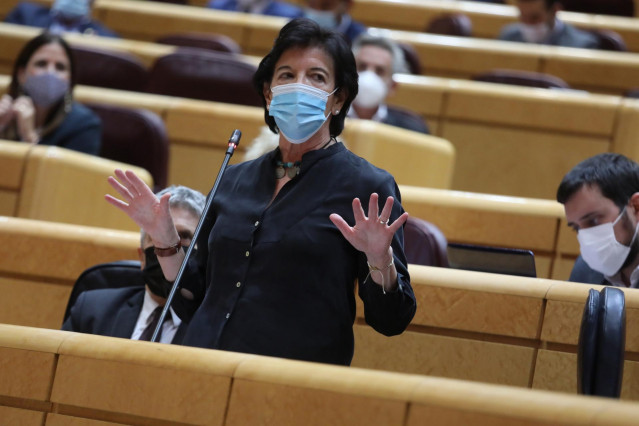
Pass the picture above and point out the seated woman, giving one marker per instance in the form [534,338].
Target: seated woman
[39,108]
[276,262]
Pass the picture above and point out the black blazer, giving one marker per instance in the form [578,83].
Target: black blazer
[582,273]
[110,312]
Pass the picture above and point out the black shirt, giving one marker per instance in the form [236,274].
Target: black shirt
[279,279]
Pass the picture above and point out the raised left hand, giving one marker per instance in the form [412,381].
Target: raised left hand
[373,234]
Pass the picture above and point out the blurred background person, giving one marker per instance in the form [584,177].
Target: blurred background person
[538,23]
[64,15]
[377,59]
[39,108]
[333,15]
[260,7]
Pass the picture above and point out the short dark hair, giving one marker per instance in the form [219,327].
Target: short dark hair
[29,49]
[304,33]
[616,176]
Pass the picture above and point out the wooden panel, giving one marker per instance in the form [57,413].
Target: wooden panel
[499,160]
[479,302]
[564,310]
[60,252]
[557,371]
[447,402]
[529,108]
[290,393]
[487,219]
[67,186]
[33,304]
[17,416]
[12,162]
[26,374]
[8,203]
[93,371]
[442,356]
[421,94]
[60,420]
[625,136]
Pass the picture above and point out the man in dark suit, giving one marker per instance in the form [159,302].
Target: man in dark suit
[601,200]
[261,7]
[132,312]
[538,23]
[378,59]
[333,15]
[63,16]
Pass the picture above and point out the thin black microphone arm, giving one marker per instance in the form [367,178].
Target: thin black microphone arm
[234,141]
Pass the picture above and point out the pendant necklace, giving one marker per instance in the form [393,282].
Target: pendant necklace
[291,169]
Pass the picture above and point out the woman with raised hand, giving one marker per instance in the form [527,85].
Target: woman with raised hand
[287,237]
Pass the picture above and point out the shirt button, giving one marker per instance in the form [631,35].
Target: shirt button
[257,223]
[238,284]
[227,316]
[247,253]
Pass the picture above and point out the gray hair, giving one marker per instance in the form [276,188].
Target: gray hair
[399,60]
[181,198]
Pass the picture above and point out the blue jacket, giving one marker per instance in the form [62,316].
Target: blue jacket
[35,15]
[568,36]
[274,8]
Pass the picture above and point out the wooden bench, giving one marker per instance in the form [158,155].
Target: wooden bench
[452,57]
[507,140]
[82,379]
[42,261]
[493,328]
[56,184]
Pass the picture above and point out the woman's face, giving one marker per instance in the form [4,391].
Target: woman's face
[310,66]
[48,58]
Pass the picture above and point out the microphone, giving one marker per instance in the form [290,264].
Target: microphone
[234,141]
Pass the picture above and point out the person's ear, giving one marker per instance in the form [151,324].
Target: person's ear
[340,98]
[268,94]
[142,258]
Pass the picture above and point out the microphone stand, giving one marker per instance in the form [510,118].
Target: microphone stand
[234,141]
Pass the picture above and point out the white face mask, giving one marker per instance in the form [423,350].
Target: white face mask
[372,90]
[601,250]
[535,33]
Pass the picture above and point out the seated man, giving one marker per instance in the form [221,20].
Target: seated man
[333,15]
[377,60]
[261,7]
[538,23]
[64,16]
[133,312]
[601,200]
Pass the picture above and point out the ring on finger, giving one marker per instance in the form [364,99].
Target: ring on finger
[383,222]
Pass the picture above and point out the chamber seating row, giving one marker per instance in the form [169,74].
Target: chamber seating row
[51,183]
[501,139]
[59,378]
[455,57]
[475,326]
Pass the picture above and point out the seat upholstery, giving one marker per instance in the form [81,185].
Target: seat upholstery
[215,42]
[111,69]
[412,58]
[206,75]
[453,24]
[424,243]
[602,343]
[609,40]
[122,273]
[135,136]
[522,78]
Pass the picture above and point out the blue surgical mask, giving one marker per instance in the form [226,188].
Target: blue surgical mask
[45,89]
[298,110]
[324,18]
[72,10]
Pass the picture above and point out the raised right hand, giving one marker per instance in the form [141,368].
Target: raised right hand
[146,210]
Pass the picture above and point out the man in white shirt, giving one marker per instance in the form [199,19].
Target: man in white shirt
[601,200]
[133,312]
